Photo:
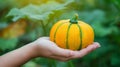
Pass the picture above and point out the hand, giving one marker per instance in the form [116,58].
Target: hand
[42,47]
[46,48]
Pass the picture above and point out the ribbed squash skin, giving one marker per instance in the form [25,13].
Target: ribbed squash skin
[72,36]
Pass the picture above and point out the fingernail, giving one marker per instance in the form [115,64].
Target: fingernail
[97,44]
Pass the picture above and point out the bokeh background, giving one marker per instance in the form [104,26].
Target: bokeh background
[23,21]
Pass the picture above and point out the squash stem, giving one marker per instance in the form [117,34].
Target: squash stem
[74,20]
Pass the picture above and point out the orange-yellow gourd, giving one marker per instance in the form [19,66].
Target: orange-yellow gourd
[72,34]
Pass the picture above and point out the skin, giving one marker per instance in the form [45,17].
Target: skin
[42,47]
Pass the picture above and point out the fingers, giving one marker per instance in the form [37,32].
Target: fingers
[57,51]
[54,49]
[60,58]
[85,51]
[65,54]
[62,52]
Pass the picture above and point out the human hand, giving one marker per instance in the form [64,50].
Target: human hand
[46,48]
[42,47]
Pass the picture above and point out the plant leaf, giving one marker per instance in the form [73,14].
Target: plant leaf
[37,12]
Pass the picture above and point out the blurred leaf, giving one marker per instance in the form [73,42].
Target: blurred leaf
[16,13]
[105,49]
[3,25]
[33,34]
[100,30]
[61,64]
[8,43]
[30,64]
[42,61]
[92,16]
[91,2]
[66,2]
[68,15]
[116,3]
[36,13]
[115,59]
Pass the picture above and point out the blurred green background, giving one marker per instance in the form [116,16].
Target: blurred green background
[23,21]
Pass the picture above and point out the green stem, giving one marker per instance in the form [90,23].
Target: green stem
[37,31]
[52,63]
[74,20]
[70,64]
[43,26]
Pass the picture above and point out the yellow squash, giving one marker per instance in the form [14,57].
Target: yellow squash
[72,34]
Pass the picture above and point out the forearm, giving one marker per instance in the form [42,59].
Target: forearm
[18,57]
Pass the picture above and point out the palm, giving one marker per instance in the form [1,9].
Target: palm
[51,50]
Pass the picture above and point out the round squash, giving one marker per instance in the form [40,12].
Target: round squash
[72,34]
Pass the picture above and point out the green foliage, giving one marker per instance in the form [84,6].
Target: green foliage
[30,64]
[8,43]
[35,12]
[102,15]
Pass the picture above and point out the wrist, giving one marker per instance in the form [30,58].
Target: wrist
[32,48]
